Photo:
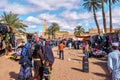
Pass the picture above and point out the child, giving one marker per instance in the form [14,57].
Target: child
[46,70]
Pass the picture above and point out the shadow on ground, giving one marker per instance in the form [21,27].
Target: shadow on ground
[76,59]
[77,69]
[103,75]
[103,59]
[13,75]
[1,54]
[103,65]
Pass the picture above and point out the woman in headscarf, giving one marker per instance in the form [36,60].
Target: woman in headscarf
[26,62]
[38,62]
[48,54]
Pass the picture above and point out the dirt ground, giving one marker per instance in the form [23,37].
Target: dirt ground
[68,69]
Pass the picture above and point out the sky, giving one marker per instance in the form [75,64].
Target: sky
[67,13]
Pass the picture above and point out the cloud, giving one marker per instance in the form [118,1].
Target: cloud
[55,4]
[33,20]
[76,16]
[15,7]
[47,16]
[116,12]
[32,27]
[115,17]
[87,24]
[3,3]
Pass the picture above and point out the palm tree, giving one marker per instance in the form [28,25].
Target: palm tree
[78,30]
[54,27]
[93,5]
[13,22]
[48,32]
[103,14]
[110,12]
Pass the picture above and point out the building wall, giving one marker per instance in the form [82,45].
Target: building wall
[95,31]
[64,35]
[44,29]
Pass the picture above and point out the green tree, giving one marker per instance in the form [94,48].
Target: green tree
[93,5]
[110,12]
[13,22]
[48,32]
[54,27]
[78,30]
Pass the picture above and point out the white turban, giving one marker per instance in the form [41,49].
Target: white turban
[115,44]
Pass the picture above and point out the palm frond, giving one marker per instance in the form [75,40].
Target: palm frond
[13,21]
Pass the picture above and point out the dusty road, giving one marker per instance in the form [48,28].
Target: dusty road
[68,69]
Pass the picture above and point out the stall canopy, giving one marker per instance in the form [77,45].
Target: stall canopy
[85,37]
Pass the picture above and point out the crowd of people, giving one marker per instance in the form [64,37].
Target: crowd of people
[37,55]
[7,43]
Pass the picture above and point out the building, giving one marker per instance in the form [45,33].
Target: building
[95,31]
[64,35]
[45,27]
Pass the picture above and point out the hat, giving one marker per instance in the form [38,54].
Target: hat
[115,44]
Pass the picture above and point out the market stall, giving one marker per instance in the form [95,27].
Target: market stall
[101,44]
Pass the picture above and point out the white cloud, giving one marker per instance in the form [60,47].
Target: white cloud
[86,24]
[3,3]
[115,17]
[55,4]
[116,12]
[47,16]
[38,5]
[15,7]
[33,20]
[32,27]
[76,16]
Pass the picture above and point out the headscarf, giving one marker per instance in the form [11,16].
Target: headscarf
[48,53]
[47,43]
[24,49]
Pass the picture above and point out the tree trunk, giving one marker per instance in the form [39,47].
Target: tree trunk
[54,34]
[12,29]
[103,14]
[48,36]
[95,18]
[110,15]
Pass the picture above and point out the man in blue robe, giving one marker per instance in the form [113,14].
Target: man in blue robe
[114,62]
